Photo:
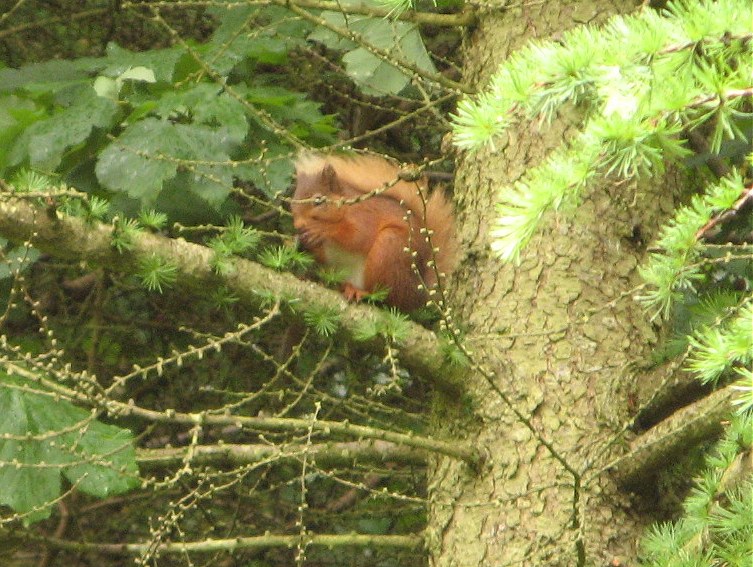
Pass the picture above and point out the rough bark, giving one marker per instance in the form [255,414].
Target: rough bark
[556,344]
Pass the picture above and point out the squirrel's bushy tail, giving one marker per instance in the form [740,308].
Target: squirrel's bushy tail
[440,220]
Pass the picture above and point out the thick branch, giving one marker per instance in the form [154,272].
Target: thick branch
[234,544]
[73,239]
[660,445]
[465,18]
[676,388]
[456,450]
[462,19]
[325,454]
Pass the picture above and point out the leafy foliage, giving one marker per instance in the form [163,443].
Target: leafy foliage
[150,127]
[716,348]
[40,442]
[189,132]
[676,267]
[375,74]
[392,325]
[15,258]
[154,220]
[123,234]
[193,141]
[284,258]
[324,320]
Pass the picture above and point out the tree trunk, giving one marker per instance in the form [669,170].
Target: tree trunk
[558,342]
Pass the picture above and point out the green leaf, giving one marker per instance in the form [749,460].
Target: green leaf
[45,142]
[148,153]
[163,63]
[49,76]
[110,88]
[42,438]
[139,73]
[17,258]
[106,87]
[268,40]
[206,104]
[16,114]
[302,117]
[375,75]
[124,165]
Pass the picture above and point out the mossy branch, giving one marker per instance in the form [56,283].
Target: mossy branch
[73,239]
[454,449]
[685,428]
[237,543]
[465,18]
[369,451]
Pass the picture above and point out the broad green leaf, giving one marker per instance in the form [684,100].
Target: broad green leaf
[269,95]
[212,183]
[302,117]
[42,438]
[335,40]
[110,88]
[162,62]
[273,173]
[375,75]
[49,76]
[268,39]
[131,165]
[18,257]
[206,104]
[148,153]
[44,143]
[140,73]
[106,87]
[16,114]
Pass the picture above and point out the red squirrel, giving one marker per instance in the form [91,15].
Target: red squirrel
[369,240]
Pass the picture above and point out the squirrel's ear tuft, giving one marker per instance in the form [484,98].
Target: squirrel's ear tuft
[329,178]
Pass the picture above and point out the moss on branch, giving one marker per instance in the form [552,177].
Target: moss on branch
[73,239]
[325,454]
[655,448]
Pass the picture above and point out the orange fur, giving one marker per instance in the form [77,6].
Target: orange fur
[368,239]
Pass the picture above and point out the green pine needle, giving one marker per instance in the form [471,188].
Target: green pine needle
[96,209]
[124,234]
[323,320]
[29,181]
[284,258]
[153,220]
[156,273]
[239,238]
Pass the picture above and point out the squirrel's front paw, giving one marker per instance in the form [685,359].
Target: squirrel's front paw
[352,293]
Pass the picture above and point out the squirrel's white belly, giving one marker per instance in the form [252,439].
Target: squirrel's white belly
[351,264]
